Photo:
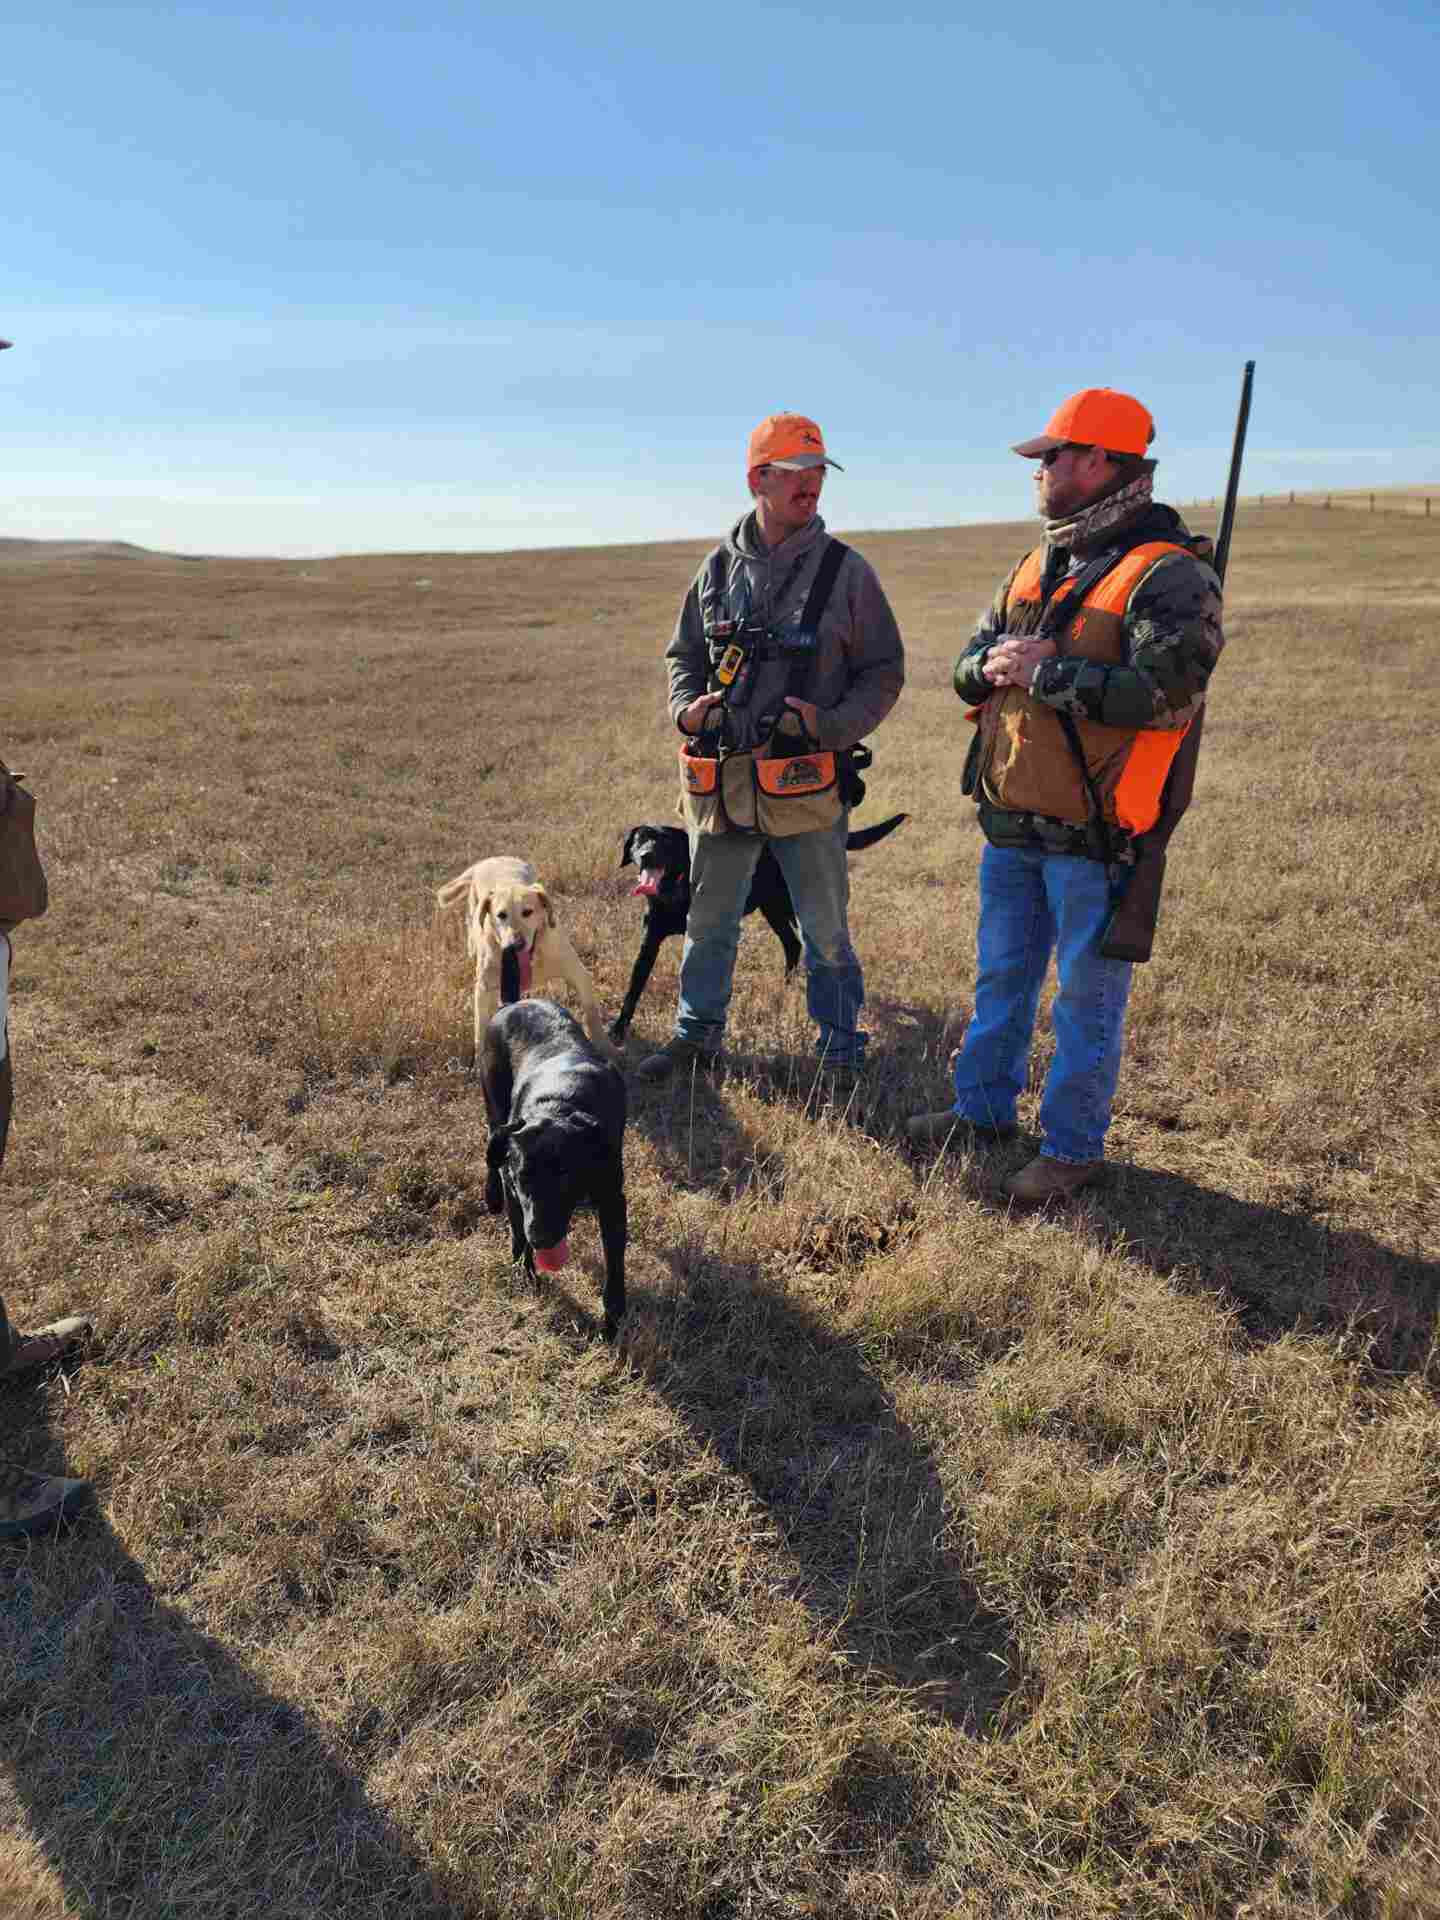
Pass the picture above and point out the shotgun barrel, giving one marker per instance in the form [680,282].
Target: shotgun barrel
[1232,489]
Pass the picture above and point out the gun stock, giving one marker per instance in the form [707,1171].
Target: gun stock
[1130,933]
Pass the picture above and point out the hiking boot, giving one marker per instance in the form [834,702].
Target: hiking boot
[34,1502]
[676,1053]
[948,1128]
[46,1344]
[1044,1179]
[838,1079]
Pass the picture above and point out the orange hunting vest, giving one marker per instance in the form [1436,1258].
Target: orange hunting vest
[1026,762]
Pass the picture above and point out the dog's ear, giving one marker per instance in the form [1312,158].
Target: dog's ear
[627,852]
[586,1131]
[544,899]
[483,913]
[497,1146]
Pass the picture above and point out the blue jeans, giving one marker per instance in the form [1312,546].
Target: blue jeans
[1034,903]
[818,876]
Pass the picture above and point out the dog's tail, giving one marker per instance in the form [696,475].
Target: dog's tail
[867,836]
[453,891]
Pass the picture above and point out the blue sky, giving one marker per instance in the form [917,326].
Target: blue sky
[310,278]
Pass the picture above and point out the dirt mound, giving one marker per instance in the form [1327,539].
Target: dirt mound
[18,552]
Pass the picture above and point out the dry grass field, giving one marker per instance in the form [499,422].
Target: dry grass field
[906,1558]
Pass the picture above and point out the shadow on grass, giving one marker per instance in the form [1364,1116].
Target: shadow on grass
[1283,1269]
[909,1047]
[852,1492]
[696,1140]
[160,1777]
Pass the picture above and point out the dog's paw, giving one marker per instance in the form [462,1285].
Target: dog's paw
[617,1031]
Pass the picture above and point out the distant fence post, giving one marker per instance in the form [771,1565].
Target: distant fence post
[1372,503]
[1327,499]
[1292,496]
[1427,506]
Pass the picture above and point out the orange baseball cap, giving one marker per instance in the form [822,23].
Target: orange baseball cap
[788,440]
[1098,417]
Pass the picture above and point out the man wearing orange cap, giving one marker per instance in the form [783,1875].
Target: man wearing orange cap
[1082,679]
[781,626]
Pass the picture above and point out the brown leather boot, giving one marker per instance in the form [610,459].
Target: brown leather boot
[55,1342]
[948,1128]
[677,1053]
[35,1502]
[1043,1180]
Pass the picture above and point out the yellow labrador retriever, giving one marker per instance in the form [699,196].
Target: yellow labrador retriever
[506,907]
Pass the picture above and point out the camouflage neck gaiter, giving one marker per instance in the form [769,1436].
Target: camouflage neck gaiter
[1088,527]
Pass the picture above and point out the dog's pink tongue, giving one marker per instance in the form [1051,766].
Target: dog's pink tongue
[648,883]
[552,1259]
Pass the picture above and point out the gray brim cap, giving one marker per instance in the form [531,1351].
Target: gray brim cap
[802,462]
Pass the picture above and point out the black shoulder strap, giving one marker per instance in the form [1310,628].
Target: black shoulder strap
[831,562]
[718,574]
[802,666]
[1060,610]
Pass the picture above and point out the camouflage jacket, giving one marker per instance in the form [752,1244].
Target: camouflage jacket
[1172,633]
[1151,672]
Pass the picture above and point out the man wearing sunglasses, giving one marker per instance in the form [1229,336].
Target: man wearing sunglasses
[1082,679]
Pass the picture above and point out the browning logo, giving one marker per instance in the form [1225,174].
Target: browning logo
[800,773]
[811,438]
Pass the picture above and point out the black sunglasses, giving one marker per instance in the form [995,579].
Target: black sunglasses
[1071,446]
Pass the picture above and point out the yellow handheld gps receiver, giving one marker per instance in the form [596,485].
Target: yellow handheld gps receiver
[731,662]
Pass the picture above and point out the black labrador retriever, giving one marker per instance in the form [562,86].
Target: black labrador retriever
[663,857]
[557,1126]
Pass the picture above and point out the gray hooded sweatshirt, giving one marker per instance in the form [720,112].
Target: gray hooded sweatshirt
[859,661]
